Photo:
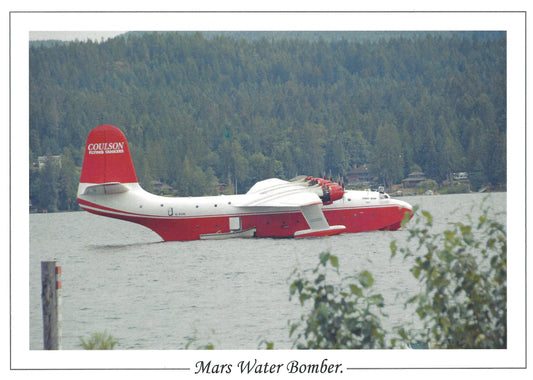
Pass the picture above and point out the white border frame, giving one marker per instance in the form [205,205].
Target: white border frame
[511,22]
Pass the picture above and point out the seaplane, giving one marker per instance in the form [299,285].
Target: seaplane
[299,208]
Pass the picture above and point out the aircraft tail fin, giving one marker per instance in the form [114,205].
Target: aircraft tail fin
[107,158]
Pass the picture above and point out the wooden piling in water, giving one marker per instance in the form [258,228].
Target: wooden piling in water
[51,300]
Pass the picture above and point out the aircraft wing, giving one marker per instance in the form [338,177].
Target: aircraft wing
[278,194]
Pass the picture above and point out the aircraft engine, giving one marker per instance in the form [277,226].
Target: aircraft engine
[330,190]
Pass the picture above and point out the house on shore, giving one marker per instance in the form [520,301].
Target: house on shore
[161,188]
[361,176]
[413,179]
[43,160]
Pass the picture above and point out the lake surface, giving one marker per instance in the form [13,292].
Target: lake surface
[120,278]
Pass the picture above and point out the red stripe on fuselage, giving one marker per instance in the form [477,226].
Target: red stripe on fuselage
[278,224]
[111,211]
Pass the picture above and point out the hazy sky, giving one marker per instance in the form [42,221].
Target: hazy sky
[71,36]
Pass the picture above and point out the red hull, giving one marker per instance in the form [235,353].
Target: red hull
[279,224]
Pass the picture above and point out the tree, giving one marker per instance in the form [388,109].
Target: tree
[337,159]
[34,177]
[388,154]
[234,163]
[451,155]
[193,181]
[49,189]
[477,175]
[262,167]
[67,182]
[309,149]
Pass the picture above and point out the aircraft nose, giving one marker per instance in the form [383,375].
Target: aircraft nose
[405,206]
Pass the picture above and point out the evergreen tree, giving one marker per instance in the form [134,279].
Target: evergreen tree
[388,154]
[307,105]
[67,182]
[49,185]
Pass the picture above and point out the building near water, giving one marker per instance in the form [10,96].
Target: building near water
[413,179]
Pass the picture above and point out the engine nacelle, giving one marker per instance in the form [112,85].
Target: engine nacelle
[335,192]
[330,190]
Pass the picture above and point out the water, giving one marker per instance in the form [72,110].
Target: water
[120,278]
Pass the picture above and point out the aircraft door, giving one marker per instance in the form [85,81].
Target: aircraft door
[235,223]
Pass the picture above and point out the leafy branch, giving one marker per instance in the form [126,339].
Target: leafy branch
[342,316]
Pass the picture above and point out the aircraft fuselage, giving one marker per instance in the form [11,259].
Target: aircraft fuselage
[192,218]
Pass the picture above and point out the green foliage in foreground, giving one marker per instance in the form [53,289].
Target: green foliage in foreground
[341,317]
[464,275]
[463,303]
[98,341]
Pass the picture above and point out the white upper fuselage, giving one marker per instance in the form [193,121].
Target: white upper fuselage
[139,201]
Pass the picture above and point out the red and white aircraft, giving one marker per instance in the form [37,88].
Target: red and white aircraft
[302,207]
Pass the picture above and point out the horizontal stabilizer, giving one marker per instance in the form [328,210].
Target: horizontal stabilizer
[106,189]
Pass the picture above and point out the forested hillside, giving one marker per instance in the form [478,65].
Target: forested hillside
[202,110]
